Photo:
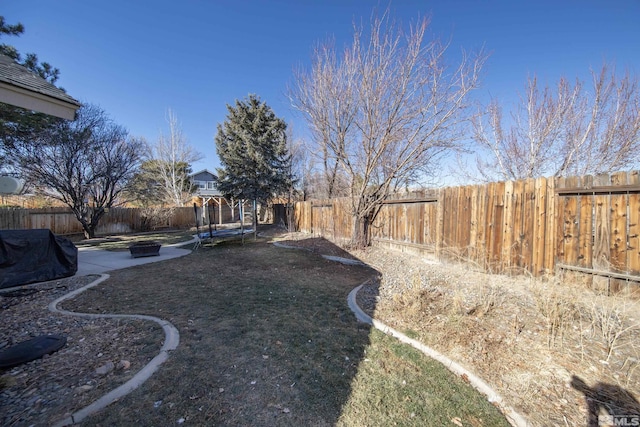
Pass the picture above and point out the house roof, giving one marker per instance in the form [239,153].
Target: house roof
[21,87]
[203,171]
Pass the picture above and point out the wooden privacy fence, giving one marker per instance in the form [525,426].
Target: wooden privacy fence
[116,220]
[586,224]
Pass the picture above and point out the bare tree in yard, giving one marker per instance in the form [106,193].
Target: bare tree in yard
[325,94]
[315,184]
[385,111]
[84,163]
[566,130]
[307,172]
[173,157]
[603,132]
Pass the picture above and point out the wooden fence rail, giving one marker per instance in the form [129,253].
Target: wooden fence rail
[587,224]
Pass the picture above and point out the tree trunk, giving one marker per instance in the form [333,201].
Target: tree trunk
[89,226]
[361,237]
[255,220]
[88,229]
[241,211]
[88,233]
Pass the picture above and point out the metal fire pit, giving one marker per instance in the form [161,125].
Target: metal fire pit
[145,248]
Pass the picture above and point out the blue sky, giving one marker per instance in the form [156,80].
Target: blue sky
[136,59]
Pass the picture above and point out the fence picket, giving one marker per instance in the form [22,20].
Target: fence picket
[539,226]
[633,253]
[526,237]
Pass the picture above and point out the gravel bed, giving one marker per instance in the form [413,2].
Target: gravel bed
[99,355]
[534,340]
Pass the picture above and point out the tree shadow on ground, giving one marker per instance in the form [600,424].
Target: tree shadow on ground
[607,399]
[318,245]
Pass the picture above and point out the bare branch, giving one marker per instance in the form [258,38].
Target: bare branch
[174,156]
[569,130]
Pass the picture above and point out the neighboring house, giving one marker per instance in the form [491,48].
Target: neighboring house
[21,87]
[208,197]
[205,182]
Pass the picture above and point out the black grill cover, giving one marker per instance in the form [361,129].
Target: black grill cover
[28,256]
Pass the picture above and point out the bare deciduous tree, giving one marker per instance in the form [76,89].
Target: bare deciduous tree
[326,95]
[603,132]
[566,131]
[85,163]
[383,112]
[173,156]
[314,180]
[317,186]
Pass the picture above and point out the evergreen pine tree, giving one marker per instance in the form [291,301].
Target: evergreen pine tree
[252,147]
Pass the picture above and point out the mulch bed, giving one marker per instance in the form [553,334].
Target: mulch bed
[45,390]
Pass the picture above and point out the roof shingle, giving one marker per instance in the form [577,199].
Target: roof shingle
[19,76]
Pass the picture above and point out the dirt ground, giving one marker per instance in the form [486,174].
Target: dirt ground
[557,351]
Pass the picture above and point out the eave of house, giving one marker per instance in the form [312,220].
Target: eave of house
[20,97]
[23,88]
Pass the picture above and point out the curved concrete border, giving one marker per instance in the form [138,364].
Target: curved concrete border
[512,416]
[341,260]
[194,239]
[171,341]
[285,246]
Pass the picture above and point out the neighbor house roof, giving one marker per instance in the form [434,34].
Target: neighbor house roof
[21,87]
[203,171]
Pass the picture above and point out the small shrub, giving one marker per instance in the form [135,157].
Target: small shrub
[558,310]
[612,323]
[153,218]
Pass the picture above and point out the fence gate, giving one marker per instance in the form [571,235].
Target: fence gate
[322,223]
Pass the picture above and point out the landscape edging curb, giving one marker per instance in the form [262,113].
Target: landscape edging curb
[171,341]
[510,414]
